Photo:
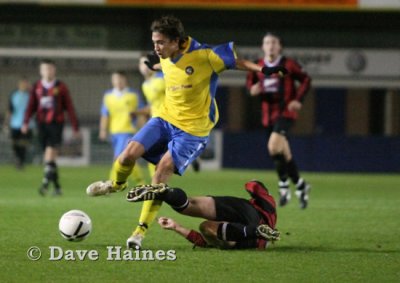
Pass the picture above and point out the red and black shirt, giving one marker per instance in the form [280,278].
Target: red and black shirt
[50,103]
[279,92]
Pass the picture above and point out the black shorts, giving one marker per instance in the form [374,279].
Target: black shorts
[281,126]
[50,134]
[237,210]
[16,134]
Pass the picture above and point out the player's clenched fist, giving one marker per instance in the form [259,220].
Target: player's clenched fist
[167,223]
[295,106]
[256,89]
[152,60]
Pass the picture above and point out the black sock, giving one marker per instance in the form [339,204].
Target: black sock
[293,172]
[301,184]
[17,152]
[55,176]
[22,154]
[280,166]
[47,175]
[51,174]
[15,148]
[236,232]
[176,198]
[143,225]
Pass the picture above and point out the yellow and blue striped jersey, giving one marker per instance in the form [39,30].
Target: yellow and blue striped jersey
[119,106]
[191,84]
[154,91]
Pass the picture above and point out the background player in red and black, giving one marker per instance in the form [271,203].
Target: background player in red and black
[281,100]
[231,222]
[49,99]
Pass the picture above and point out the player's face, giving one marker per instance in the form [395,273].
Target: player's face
[163,46]
[271,46]
[118,81]
[47,72]
[143,69]
[23,85]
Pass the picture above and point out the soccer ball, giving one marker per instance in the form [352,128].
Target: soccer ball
[75,225]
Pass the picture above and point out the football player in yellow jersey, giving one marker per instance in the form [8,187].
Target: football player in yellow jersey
[119,103]
[153,89]
[179,132]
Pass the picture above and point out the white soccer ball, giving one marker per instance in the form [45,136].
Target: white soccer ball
[75,225]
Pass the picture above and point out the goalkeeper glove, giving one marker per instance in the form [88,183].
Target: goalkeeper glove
[152,59]
[279,70]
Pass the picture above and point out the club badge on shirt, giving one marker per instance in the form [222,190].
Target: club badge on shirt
[189,70]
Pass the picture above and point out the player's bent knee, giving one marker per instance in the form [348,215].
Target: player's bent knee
[166,166]
[208,228]
[164,170]
[132,152]
[274,149]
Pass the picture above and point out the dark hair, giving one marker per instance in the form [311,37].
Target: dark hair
[48,61]
[274,34]
[169,26]
[121,73]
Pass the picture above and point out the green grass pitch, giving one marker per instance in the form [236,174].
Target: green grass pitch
[349,233]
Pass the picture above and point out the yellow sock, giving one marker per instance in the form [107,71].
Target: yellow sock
[137,175]
[120,173]
[152,169]
[149,212]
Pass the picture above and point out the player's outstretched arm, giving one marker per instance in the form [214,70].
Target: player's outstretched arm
[192,236]
[170,224]
[246,65]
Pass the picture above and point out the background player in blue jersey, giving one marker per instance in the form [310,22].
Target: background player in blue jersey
[18,102]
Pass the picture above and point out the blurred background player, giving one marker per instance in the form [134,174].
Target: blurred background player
[179,134]
[232,222]
[117,118]
[281,101]
[49,99]
[153,88]
[14,118]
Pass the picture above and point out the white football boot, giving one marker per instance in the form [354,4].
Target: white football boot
[102,188]
[303,195]
[284,193]
[134,242]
